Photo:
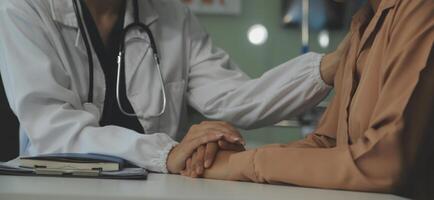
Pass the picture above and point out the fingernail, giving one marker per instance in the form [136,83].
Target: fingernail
[207,163]
[236,138]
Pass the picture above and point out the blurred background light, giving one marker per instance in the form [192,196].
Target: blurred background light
[324,39]
[257,34]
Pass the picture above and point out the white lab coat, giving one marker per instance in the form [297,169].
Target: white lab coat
[44,67]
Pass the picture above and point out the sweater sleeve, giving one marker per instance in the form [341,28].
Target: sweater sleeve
[371,163]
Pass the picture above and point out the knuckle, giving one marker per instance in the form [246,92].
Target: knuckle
[209,134]
[205,139]
[194,127]
[194,142]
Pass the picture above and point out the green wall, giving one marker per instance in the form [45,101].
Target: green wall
[230,33]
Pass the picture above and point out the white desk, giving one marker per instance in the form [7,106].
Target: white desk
[162,187]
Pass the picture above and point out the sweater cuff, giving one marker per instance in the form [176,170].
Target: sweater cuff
[242,166]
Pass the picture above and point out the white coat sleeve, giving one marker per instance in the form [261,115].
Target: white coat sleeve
[219,90]
[40,94]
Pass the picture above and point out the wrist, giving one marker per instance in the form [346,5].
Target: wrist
[219,169]
[171,169]
[328,69]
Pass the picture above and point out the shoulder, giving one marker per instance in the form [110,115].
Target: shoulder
[413,19]
[420,12]
[169,5]
[170,9]
[27,5]
[411,33]
[26,9]
[411,4]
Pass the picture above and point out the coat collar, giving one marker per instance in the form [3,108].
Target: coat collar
[364,15]
[62,11]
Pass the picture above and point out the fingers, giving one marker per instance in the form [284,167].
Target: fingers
[188,167]
[228,128]
[200,160]
[192,145]
[192,167]
[197,163]
[210,154]
[236,135]
[186,171]
[226,136]
[198,135]
[224,145]
[233,139]
[231,133]
[177,157]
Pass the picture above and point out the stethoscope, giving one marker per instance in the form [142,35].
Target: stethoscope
[121,58]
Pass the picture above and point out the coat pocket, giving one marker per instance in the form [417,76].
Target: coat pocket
[169,122]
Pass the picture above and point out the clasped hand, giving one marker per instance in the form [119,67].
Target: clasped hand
[199,148]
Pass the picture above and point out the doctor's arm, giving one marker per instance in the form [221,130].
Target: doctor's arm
[220,90]
[41,94]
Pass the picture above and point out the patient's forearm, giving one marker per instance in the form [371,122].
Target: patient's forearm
[219,170]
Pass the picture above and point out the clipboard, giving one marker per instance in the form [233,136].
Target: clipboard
[12,168]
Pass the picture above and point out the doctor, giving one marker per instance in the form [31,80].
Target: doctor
[116,77]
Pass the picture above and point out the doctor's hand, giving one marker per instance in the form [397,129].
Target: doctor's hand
[205,155]
[330,62]
[198,135]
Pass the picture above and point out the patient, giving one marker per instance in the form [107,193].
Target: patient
[418,140]
[358,141]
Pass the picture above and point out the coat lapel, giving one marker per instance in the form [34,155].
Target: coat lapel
[359,41]
[137,43]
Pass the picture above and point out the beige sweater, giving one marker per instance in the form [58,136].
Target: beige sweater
[357,145]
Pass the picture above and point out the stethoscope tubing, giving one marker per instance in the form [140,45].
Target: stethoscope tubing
[121,60]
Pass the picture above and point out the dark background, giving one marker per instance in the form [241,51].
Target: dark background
[9,129]
[324,14]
